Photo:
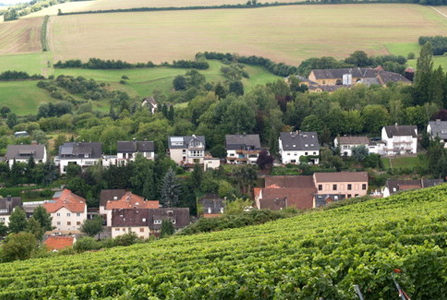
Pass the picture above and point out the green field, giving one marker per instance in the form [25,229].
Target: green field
[23,97]
[401,162]
[319,254]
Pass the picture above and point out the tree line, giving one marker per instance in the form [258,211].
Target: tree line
[18,75]
[438,43]
[97,63]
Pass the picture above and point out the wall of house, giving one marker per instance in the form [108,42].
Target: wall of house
[83,162]
[66,220]
[342,188]
[406,144]
[329,81]
[177,155]
[5,219]
[211,164]
[251,158]
[293,157]
[142,232]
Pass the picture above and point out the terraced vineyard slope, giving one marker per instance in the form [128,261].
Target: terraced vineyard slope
[317,254]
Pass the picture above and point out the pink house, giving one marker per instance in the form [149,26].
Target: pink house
[345,184]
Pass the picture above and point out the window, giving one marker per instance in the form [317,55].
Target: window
[141,229]
[68,214]
[144,219]
[356,195]
[364,186]
[320,187]
[349,195]
[349,187]
[288,153]
[58,223]
[157,221]
[117,229]
[334,187]
[315,153]
[78,215]
[78,223]
[58,214]
[68,223]
[173,221]
[305,153]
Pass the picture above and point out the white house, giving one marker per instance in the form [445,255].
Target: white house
[82,154]
[347,143]
[293,145]
[395,186]
[68,211]
[438,129]
[211,163]
[400,139]
[150,103]
[22,153]
[187,150]
[128,150]
[7,206]
[242,148]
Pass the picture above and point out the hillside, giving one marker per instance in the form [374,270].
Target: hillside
[318,254]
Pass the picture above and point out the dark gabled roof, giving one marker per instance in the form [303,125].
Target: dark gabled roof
[341,177]
[135,146]
[289,181]
[338,73]
[273,203]
[300,198]
[353,140]
[180,214]
[8,204]
[110,195]
[94,150]
[150,100]
[242,141]
[385,77]
[25,151]
[301,141]
[322,200]
[214,202]
[401,130]
[403,185]
[133,217]
[438,129]
[180,142]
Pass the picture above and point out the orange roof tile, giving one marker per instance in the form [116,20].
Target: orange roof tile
[130,200]
[59,242]
[67,199]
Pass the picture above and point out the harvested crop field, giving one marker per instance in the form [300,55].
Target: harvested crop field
[288,34]
[21,36]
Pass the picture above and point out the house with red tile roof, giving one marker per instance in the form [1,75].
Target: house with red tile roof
[128,201]
[68,211]
[55,243]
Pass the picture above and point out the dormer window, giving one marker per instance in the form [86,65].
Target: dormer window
[306,145]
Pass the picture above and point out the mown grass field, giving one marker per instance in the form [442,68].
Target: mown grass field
[20,36]
[289,34]
[23,97]
[401,162]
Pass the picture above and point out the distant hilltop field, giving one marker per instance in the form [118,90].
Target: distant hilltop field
[286,34]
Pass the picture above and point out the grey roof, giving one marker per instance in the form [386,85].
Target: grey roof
[25,151]
[8,204]
[299,141]
[322,200]
[338,73]
[401,130]
[110,195]
[438,129]
[353,140]
[135,217]
[242,141]
[135,146]
[402,185]
[79,150]
[385,77]
[150,100]
[180,142]
[214,202]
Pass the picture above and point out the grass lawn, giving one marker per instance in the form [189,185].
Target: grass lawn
[32,63]
[288,34]
[23,97]
[401,162]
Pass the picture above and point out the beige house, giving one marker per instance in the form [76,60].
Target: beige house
[344,184]
[187,150]
[68,211]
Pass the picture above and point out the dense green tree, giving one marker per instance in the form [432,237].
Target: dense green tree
[3,229]
[423,86]
[374,118]
[11,120]
[179,83]
[167,228]
[17,220]
[220,91]
[18,246]
[92,227]
[33,226]
[170,190]
[197,176]
[237,88]
[41,215]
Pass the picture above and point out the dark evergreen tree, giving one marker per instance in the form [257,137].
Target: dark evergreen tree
[170,190]
[422,84]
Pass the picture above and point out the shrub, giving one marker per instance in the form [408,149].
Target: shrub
[86,244]
[126,239]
